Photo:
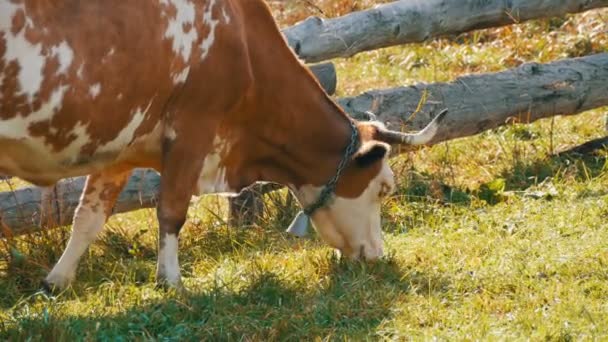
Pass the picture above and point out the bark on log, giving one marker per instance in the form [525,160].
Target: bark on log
[412,21]
[480,102]
[326,75]
[476,103]
[20,210]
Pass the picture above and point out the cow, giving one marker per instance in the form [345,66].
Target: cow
[206,92]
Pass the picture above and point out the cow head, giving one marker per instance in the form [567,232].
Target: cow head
[350,222]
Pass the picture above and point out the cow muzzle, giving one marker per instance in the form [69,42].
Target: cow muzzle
[364,252]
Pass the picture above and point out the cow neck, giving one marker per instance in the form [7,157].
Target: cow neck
[309,133]
[299,133]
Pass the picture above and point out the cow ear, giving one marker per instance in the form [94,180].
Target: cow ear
[370,153]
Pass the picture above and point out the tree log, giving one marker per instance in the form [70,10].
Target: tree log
[20,210]
[480,102]
[413,21]
[476,103]
[326,75]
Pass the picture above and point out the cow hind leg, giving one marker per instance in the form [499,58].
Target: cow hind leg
[98,198]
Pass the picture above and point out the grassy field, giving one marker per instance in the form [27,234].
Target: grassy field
[491,237]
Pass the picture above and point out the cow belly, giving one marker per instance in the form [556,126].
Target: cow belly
[26,159]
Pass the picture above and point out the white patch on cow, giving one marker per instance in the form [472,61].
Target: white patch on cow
[107,56]
[212,179]
[225,15]
[145,144]
[125,136]
[71,152]
[94,90]
[182,76]
[119,97]
[170,133]
[212,23]
[29,56]
[182,40]
[65,54]
[168,260]
[80,71]
[88,222]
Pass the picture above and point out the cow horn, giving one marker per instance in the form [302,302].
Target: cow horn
[420,138]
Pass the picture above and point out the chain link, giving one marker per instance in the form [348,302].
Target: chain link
[330,186]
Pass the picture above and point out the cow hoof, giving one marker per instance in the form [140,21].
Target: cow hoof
[50,289]
[166,286]
[56,282]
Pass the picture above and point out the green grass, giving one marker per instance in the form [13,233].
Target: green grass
[491,237]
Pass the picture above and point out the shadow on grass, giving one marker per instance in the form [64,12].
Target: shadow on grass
[350,301]
[422,186]
[524,175]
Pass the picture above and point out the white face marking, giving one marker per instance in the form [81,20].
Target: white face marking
[182,39]
[88,222]
[212,23]
[168,260]
[212,179]
[352,225]
[94,90]
[126,135]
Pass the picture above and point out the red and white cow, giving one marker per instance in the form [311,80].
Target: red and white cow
[206,92]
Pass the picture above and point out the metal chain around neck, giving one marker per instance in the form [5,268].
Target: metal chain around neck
[330,186]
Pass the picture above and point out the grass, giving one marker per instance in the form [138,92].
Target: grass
[491,237]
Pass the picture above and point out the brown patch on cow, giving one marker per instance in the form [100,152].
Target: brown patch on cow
[12,104]
[102,189]
[18,22]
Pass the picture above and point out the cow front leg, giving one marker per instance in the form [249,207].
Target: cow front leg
[168,272]
[180,172]
[98,198]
